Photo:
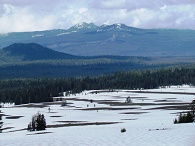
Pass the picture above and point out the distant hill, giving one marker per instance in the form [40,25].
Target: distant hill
[31,60]
[87,39]
[33,51]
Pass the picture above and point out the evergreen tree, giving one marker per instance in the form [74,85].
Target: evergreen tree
[175,121]
[1,123]
[193,107]
[40,122]
[37,123]
[189,117]
[185,118]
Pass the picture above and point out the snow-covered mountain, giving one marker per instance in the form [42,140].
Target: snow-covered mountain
[116,27]
[88,39]
[83,26]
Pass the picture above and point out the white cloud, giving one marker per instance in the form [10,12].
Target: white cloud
[112,4]
[71,16]
[25,15]
[16,19]
[82,10]
[141,16]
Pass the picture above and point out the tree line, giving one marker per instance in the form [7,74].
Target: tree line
[21,91]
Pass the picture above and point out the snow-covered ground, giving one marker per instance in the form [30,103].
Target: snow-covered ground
[148,120]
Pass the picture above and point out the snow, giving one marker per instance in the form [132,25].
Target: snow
[118,25]
[38,35]
[79,26]
[83,25]
[151,127]
[64,33]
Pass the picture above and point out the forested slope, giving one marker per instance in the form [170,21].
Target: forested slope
[23,91]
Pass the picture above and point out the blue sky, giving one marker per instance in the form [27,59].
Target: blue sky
[26,15]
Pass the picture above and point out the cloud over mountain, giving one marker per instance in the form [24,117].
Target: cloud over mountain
[25,15]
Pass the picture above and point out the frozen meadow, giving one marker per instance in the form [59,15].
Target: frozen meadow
[95,118]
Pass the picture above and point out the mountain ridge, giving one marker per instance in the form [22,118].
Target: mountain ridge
[88,39]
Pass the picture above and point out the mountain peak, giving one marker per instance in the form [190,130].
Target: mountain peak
[83,26]
[115,27]
[118,24]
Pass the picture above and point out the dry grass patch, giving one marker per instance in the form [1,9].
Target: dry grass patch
[134,113]
[165,100]
[14,117]
[71,121]
[33,106]
[128,119]
[7,128]
[126,104]
[55,116]
[106,108]
[81,124]
[174,107]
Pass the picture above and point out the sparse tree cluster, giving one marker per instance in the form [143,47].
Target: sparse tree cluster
[186,118]
[37,123]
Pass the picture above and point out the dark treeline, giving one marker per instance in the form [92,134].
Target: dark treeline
[55,70]
[23,91]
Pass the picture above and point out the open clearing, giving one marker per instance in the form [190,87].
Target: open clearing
[148,120]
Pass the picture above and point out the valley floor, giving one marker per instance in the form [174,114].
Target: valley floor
[95,118]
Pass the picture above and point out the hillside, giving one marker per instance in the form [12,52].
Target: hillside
[118,39]
[33,51]
[31,60]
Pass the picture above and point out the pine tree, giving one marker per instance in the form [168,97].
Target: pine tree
[193,107]
[175,121]
[189,117]
[1,123]
[40,121]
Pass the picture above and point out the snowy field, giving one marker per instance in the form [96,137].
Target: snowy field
[148,120]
